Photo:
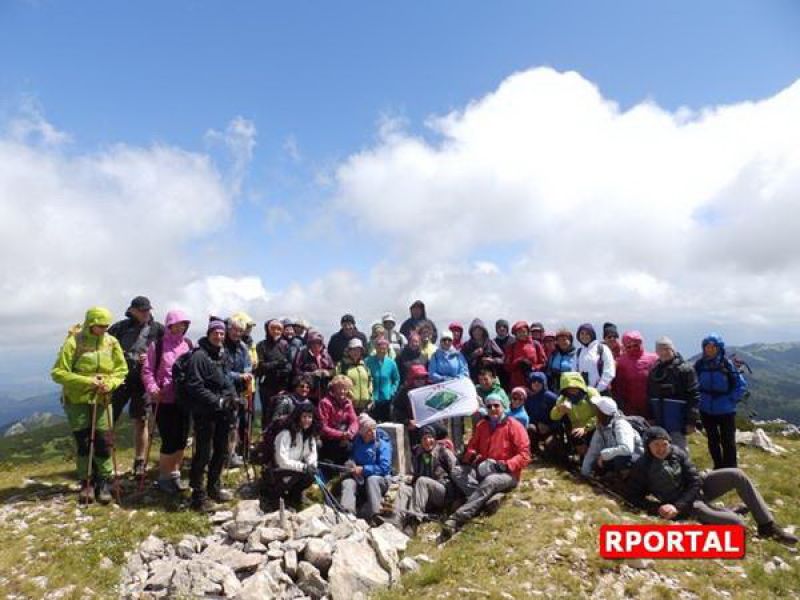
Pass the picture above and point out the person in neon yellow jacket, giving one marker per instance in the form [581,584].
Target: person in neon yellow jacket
[575,403]
[89,366]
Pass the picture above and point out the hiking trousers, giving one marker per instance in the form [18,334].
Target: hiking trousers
[718,483]
[211,435]
[424,496]
[721,432]
[371,490]
[489,486]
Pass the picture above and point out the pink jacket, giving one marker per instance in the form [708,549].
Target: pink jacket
[159,377]
[630,383]
[335,418]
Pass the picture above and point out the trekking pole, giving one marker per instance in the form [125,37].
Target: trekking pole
[247,432]
[110,419]
[151,426]
[91,446]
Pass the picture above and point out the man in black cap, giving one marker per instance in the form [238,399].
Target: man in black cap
[339,340]
[135,333]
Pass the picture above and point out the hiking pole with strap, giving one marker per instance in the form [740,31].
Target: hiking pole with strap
[92,433]
[334,466]
[151,426]
[247,432]
[110,419]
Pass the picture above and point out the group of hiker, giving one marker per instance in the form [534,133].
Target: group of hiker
[605,406]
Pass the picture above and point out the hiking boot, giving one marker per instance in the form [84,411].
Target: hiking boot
[203,504]
[235,461]
[220,495]
[740,509]
[168,486]
[180,484]
[102,493]
[86,495]
[772,531]
[138,467]
[449,527]
[493,504]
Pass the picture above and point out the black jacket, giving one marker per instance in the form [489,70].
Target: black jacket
[674,480]
[408,357]
[338,344]
[207,381]
[274,368]
[410,324]
[134,339]
[492,353]
[677,380]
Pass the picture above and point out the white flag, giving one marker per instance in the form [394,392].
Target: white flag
[452,398]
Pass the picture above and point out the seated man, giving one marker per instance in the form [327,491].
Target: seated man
[615,443]
[498,451]
[432,488]
[575,405]
[666,472]
[543,431]
[370,467]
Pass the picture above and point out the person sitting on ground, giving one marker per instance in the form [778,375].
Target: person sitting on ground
[575,404]
[480,350]
[432,487]
[673,394]
[338,421]
[417,318]
[273,368]
[314,360]
[353,366]
[411,355]
[397,341]
[401,406]
[542,430]
[284,404]
[90,366]
[563,360]
[630,383]
[385,380]
[594,360]
[338,344]
[379,332]
[497,452]
[426,339]
[174,423]
[370,468]
[611,339]
[517,411]
[295,459]
[457,329]
[523,355]
[666,472]
[615,444]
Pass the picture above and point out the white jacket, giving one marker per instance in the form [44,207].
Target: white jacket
[618,438]
[586,358]
[294,457]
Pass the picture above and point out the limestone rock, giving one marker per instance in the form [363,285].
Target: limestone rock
[408,565]
[388,542]
[314,527]
[310,581]
[290,563]
[319,554]
[259,586]
[355,571]
[232,558]
[271,534]
[152,548]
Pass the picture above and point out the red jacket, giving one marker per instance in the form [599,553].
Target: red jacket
[630,382]
[516,354]
[508,443]
[336,419]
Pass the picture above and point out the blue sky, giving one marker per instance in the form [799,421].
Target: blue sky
[321,77]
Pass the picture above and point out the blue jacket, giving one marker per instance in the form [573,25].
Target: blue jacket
[237,359]
[558,363]
[375,456]
[538,406]
[385,378]
[722,386]
[520,415]
[445,365]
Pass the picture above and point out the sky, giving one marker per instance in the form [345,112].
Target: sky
[557,161]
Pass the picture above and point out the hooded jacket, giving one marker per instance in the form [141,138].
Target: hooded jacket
[673,394]
[595,361]
[722,386]
[453,327]
[410,357]
[616,438]
[538,406]
[307,363]
[85,355]
[237,360]
[521,358]
[385,378]
[447,364]
[560,362]
[158,377]
[135,338]
[439,464]
[274,368]
[583,413]
[337,346]
[207,379]
[374,456]
[630,382]
[361,377]
[508,443]
[492,354]
[674,480]
[410,324]
[336,418]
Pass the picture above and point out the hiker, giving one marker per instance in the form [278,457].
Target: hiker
[480,350]
[337,420]
[300,331]
[615,444]
[563,360]
[447,362]
[667,473]
[337,346]
[630,382]
[457,329]
[722,387]
[295,459]
[379,332]
[385,380]
[213,403]
[673,393]
[90,366]
[370,468]
[517,409]
[427,344]
[497,452]
[411,355]
[549,343]
[353,366]
[488,384]
[418,317]
[503,340]
[523,355]
[247,335]
[537,332]
[315,361]
[611,339]
[284,403]
[174,421]
[594,360]
[239,369]
[432,488]
[273,368]
[135,333]
[294,343]
[397,341]
[543,431]
[401,406]
[575,403]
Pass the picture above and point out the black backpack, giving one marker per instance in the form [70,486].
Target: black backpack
[180,374]
[639,424]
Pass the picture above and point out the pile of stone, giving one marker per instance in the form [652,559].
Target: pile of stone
[316,553]
[759,439]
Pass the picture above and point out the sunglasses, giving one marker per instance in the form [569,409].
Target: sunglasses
[494,406]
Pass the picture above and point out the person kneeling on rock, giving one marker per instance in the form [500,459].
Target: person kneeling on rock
[370,467]
[497,452]
[666,472]
[295,462]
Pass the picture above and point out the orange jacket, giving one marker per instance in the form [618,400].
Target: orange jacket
[508,443]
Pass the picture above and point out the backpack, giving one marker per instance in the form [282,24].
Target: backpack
[639,424]
[265,453]
[180,374]
[726,367]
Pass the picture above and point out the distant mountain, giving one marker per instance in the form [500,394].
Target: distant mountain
[32,423]
[12,410]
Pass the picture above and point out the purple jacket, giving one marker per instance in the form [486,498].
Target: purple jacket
[159,377]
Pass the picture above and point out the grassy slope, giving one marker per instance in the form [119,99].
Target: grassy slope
[547,549]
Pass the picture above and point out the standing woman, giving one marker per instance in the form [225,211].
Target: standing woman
[89,366]
[172,420]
